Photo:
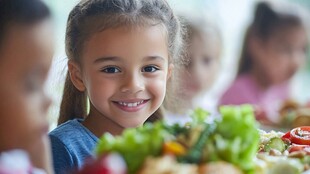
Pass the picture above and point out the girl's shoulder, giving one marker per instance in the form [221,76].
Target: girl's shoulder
[69,127]
[17,161]
[72,131]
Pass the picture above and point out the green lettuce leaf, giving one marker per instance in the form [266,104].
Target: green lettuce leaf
[134,144]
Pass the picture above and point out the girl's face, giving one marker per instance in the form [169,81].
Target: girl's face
[124,72]
[200,73]
[25,57]
[281,56]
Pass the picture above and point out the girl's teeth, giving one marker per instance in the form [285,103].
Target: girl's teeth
[135,104]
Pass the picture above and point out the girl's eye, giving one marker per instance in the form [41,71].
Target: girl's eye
[111,70]
[206,60]
[150,69]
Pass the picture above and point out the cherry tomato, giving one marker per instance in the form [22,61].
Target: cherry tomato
[300,135]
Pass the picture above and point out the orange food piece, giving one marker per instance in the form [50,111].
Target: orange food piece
[174,148]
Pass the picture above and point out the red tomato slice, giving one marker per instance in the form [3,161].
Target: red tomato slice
[296,147]
[287,135]
[300,135]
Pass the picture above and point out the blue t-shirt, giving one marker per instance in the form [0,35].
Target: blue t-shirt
[72,143]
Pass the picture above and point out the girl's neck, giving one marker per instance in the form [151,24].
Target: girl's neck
[99,124]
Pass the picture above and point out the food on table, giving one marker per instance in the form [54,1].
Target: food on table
[287,153]
[229,144]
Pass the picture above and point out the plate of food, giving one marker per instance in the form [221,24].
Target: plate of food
[231,144]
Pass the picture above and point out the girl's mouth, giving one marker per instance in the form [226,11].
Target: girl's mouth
[132,105]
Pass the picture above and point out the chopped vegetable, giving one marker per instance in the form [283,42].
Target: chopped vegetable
[296,148]
[300,135]
[275,143]
[174,148]
[287,135]
[194,155]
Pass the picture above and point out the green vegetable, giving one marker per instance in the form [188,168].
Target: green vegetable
[275,143]
[195,153]
[134,144]
[236,137]
[233,138]
[199,116]
[176,129]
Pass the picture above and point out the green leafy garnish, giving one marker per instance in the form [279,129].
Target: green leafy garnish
[135,144]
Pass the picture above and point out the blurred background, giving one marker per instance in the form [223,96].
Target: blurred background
[232,17]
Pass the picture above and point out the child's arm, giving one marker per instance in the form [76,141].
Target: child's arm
[41,155]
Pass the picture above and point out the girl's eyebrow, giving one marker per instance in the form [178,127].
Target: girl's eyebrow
[150,58]
[114,58]
[104,59]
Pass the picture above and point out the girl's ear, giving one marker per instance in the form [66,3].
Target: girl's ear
[170,70]
[76,75]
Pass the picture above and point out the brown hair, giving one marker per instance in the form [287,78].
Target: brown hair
[21,12]
[92,16]
[269,18]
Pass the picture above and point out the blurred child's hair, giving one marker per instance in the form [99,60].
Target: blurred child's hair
[269,18]
[193,25]
[91,16]
[198,25]
[20,12]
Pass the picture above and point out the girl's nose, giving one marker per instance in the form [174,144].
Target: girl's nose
[132,83]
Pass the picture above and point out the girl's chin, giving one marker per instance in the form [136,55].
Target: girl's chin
[133,124]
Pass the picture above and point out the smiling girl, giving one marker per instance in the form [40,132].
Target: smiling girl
[120,57]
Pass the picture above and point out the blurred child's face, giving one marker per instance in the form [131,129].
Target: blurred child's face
[25,57]
[200,73]
[282,55]
[124,72]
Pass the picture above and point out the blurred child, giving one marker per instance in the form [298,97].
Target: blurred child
[274,49]
[120,57]
[197,72]
[26,49]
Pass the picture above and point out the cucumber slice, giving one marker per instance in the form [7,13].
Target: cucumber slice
[275,143]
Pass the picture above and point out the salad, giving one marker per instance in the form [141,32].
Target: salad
[227,145]
[289,152]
